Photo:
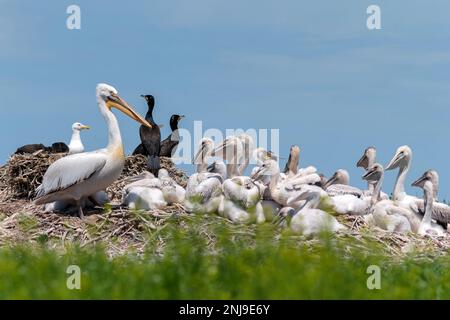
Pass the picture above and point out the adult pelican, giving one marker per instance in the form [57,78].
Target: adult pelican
[76,177]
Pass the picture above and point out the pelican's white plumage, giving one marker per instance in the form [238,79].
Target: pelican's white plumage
[78,176]
[402,161]
[204,189]
[427,226]
[310,221]
[144,192]
[284,191]
[241,201]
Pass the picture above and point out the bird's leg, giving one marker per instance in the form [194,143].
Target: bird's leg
[80,209]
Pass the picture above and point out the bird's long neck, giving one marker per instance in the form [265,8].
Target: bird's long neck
[274,179]
[75,137]
[428,199]
[149,115]
[114,137]
[173,125]
[399,188]
[377,190]
[370,162]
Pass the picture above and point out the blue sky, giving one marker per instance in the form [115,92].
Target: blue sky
[310,68]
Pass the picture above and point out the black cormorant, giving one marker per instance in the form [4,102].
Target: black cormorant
[169,145]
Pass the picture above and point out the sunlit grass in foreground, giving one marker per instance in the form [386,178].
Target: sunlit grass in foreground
[236,266]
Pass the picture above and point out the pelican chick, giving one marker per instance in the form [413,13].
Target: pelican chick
[292,166]
[241,201]
[366,161]
[310,221]
[425,182]
[441,211]
[204,189]
[172,191]
[338,184]
[386,214]
[77,176]
[144,192]
[402,161]
[75,145]
[283,191]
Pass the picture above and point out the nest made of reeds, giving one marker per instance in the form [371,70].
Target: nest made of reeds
[20,177]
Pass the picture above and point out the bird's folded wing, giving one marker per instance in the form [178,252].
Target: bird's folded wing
[441,211]
[69,171]
[342,189]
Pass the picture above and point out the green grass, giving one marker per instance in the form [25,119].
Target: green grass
[243,267]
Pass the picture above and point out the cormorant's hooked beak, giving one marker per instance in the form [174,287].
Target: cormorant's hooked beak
[115,101]
[363,162]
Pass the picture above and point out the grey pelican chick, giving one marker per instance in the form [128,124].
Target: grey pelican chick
[283,191]
[441,211]
[241,201]
[172,191]
[427,226]
[310,221]
[338,184]
[402,161]
[386,214]
[144,193]
[75,145]
[77,176]
[366,161]
[292,166]
[236,151]
[204,189]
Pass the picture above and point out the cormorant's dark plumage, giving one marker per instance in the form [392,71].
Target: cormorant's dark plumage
[169,145]
[57,147]
[150,138]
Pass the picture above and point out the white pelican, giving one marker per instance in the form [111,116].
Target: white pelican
[204,189]
[75,145]
[78,176]
[283,191]
[402,160]
[241,201]
[338,184]
[145,192]
[310,221]
[386,214]
[427,226]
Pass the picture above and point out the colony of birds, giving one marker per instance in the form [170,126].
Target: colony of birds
[300,199]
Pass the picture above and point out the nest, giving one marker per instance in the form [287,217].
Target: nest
[20,177]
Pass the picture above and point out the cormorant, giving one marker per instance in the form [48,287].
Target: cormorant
[169,145]
[150,138]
